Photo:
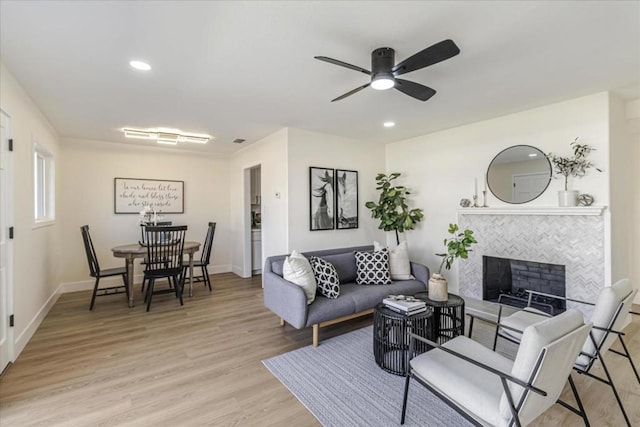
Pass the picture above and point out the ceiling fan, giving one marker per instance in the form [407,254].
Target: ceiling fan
[384,73]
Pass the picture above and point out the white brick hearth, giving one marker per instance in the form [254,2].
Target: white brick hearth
[574,237]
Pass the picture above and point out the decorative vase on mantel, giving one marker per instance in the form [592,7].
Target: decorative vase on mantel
[567,198]
[438,289]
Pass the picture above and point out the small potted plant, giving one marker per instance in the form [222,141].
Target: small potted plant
[577,166]
[392,209]
[457,247]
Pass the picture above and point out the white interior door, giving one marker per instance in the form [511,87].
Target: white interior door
[528,186]
[6,294]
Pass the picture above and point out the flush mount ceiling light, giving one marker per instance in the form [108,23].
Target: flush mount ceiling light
[389,124]
[162,136]
[140,65]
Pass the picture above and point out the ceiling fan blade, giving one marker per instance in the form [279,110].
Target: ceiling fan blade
[415,90]
[343,64]
[351,92]
[429,56]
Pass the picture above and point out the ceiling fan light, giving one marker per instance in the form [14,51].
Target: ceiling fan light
[383,82]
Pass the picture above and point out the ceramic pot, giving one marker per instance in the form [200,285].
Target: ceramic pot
[438,290]
[567,198]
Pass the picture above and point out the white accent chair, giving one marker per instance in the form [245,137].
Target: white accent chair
[490,390]
[608,318]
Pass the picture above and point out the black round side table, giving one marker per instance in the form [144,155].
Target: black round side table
[448,316]
[391,337]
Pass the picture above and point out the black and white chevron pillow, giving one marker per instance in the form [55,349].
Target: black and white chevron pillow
[373,268]
[326,276]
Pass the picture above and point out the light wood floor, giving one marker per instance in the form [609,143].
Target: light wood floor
[199,365]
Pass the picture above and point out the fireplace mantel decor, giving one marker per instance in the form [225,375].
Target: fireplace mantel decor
[535,210]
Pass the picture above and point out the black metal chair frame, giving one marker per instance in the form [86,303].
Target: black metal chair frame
[504,377]
[165,248]
[205,257]
[95,271]
[592,357]
[142,242]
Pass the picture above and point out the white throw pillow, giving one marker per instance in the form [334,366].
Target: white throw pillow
[297,269]
[399,265]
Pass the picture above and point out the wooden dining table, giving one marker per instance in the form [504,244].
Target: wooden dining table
[136,250]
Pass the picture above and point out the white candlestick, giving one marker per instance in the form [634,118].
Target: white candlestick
[475,182]
[155,217]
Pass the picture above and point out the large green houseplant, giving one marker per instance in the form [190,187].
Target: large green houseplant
[392,209]
[457,246]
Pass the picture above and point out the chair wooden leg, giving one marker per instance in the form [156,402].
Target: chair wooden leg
[126,284]
[178,289]
[95,291]
[150,292]
[281,321]
[207,279]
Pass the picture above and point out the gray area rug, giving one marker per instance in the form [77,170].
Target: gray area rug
[340,383]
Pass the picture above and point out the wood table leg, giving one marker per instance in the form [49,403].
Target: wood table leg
[190,274]
[129,264]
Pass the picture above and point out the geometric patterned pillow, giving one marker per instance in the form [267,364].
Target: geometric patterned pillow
[373,268]
[326,276]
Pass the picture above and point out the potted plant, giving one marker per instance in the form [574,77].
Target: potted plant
[457,247]
[392,209]
[577,166]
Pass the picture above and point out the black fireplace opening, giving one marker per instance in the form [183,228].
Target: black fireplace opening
[507,280]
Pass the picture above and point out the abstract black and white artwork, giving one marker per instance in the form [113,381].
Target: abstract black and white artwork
[346,199]
[321,199]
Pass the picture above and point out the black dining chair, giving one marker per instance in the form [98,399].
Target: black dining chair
[142,243]
[98,273]
[205,256]
[165,248]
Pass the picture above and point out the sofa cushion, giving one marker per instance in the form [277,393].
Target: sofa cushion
[297,270]
[399,264]
[326,276]
[372,268]
[345,265]
[324,309]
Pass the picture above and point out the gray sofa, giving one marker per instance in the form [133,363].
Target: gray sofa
[288,300]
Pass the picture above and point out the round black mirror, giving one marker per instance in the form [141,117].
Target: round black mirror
[519,174]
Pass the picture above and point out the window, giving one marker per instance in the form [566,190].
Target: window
[43,184]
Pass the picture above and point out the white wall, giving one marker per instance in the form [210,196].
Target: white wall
[271,154]
[632,115]
[86,197]
[36,250]
[307,149]
[441,167]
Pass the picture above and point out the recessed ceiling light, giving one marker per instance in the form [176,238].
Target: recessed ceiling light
[140,65]
[389,124]
[533,155]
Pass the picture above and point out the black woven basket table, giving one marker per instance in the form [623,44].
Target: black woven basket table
[391,337]
[448,316]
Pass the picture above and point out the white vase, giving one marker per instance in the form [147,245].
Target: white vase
[438,289]
[567,198]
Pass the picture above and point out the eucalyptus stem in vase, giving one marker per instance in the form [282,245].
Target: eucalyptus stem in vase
[576,166]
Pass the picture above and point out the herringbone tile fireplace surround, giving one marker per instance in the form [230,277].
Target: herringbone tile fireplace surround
[573,237]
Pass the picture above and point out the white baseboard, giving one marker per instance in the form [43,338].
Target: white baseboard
[87,285]
[22,340]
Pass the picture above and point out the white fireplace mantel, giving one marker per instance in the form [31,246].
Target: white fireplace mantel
[534,210]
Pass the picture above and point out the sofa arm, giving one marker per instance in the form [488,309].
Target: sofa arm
[285,299]
[420,272]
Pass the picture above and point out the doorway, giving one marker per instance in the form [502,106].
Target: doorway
[256,220]
[6,245]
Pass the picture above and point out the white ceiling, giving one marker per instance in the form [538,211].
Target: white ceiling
[246,69]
